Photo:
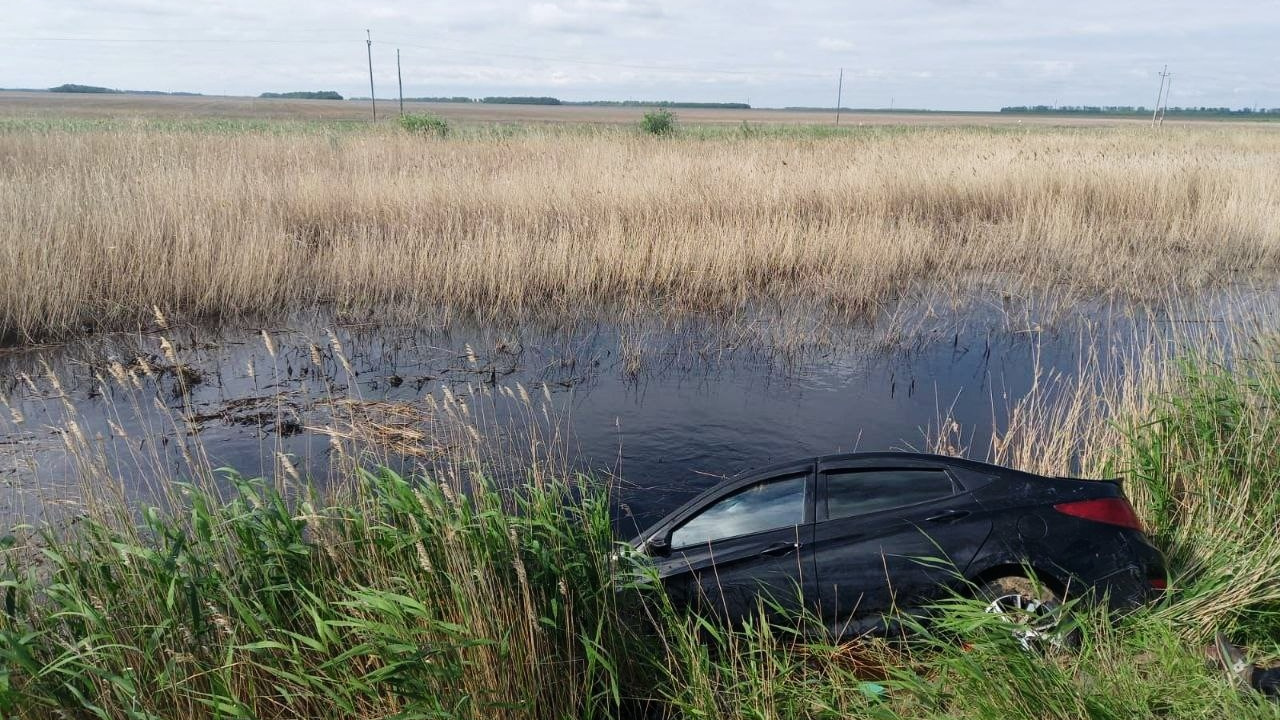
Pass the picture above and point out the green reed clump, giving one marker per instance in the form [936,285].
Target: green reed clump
[962,663]
[412,601]
[1205,470]
[425,124]
[659,122]
[965,663]
[768,670]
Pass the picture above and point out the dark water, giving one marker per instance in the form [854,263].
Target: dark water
[664,411]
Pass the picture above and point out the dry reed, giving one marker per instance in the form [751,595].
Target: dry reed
[103,226]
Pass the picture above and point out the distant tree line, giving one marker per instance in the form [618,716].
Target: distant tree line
[492,99]
[73,88]
[544,100]
[1136,110]
[452,99]
[662,104]
[521,100]
[94,89]
[304,95]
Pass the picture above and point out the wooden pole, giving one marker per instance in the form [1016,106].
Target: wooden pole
[368,44]
[1167,88]
[400,82]
[839,95]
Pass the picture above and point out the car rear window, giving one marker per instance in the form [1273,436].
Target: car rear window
[859,492]
[768,505]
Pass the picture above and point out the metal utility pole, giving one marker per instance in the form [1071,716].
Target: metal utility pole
[1159,94]
[839,95]
[368,44]
[400,82]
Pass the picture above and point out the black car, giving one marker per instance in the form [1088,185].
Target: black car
[854,536]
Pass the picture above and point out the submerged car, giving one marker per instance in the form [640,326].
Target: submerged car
[854,537]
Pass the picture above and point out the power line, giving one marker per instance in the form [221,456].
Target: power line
[604,63]
[185,40]
[177,40]
[188,40]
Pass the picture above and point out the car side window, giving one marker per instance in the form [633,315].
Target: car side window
[768,505]
[859,492]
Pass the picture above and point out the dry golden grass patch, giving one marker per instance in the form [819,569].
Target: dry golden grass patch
[101,226]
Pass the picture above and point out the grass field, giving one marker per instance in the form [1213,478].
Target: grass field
[38,104]
[221,218]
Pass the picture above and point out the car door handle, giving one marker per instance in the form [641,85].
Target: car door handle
[779,548]
[948,516]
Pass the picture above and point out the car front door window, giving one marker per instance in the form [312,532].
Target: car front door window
[764,506]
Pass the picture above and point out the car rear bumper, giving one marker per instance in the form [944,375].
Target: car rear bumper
[1137,578]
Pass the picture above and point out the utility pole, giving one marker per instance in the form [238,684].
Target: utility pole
[1168,87]
[1159,94]
[368,44]
[839,95]
[400,82]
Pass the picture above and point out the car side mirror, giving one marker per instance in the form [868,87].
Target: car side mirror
[659,545]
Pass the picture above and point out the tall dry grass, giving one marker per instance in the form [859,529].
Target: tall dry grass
[100,226]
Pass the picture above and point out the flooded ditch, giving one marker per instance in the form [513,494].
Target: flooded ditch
[661,411]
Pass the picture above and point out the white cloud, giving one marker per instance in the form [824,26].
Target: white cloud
[1054,68]
[590,16]
[551,16]
[1095,28]
[939,53]
[632,8]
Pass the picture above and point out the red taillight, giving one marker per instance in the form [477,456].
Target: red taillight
[1113,511]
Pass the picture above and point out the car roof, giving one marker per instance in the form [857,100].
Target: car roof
[885,454]
[889,455]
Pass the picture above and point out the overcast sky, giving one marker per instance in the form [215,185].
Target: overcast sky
[942,54]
